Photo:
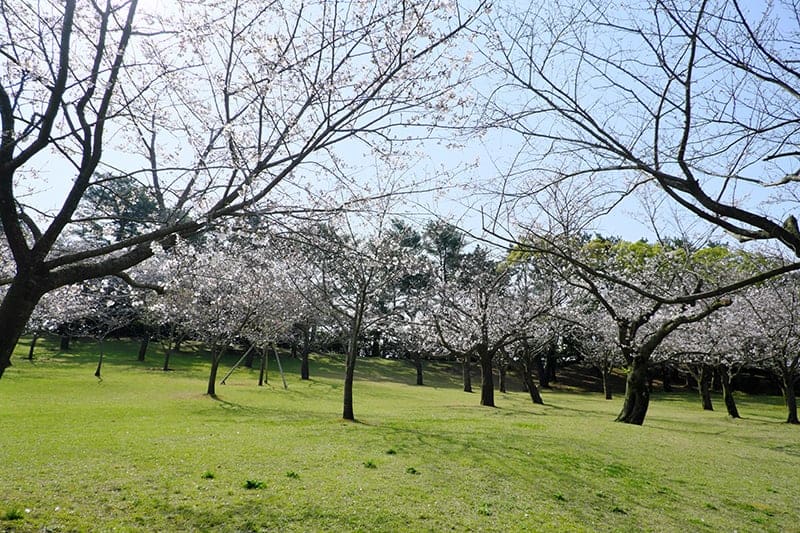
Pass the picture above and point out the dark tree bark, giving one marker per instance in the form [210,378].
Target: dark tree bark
[304,370]
[530,386]
[701,374]
[501,369]
[727,392]
[375,348]
[605,371]
[352,354]
[541,372]
[167,354]
[666,376]
[304,374]
[100,361]
[704,384]
[216,357]
[262,372]
[550,368]
[64,343]
[418,367]
[789,399]
[466,372]
[637,394]
[143,348]
[15,311]
[487,378]
[33,346]
[349,374]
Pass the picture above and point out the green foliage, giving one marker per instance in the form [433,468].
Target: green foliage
[120,202]
[251,484]
[207,475]
[13,514]
[134,463]
[291,474]
[369,463]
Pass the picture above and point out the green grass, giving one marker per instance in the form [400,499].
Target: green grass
[145,450]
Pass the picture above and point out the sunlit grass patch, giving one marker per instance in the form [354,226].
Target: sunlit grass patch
[145,449]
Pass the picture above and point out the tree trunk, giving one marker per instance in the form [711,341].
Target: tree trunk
[550,368]
[790,400]
[15,310]
[349,373]
[487,377]
[605,371]
[143,347]
[666,376]
[466,373]
[527,379]
[502,372]
[167,353]
[375,349]
[262,373]
[637,395]
[216,358]
[304,354]
[418,367]
[352,355]
[249,358]
[541,372]
[63,344]
[704,384]
[33,346]
[100,361]
[727,392]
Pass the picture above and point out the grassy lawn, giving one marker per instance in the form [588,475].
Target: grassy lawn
[145,450]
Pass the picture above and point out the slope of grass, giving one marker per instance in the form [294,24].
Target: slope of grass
[146,450]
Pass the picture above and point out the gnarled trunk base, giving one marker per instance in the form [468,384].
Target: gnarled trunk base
[727,393]
[637,395]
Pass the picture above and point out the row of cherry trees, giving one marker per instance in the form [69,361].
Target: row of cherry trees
[426,293]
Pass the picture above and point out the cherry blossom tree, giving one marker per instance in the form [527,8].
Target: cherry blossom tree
[209,295]
[635,284]
[55,310]
[485,307]
[107,305]
[352,271]
[772,334]
[211,109]
[597,336]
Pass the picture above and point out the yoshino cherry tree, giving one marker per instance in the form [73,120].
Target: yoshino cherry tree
[210,109]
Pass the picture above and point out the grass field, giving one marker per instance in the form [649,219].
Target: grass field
[145,450]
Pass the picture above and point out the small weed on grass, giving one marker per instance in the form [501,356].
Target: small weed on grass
[251,484]
[208,474]
[370,464]
[485,509]
[13,514]
[292,475]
